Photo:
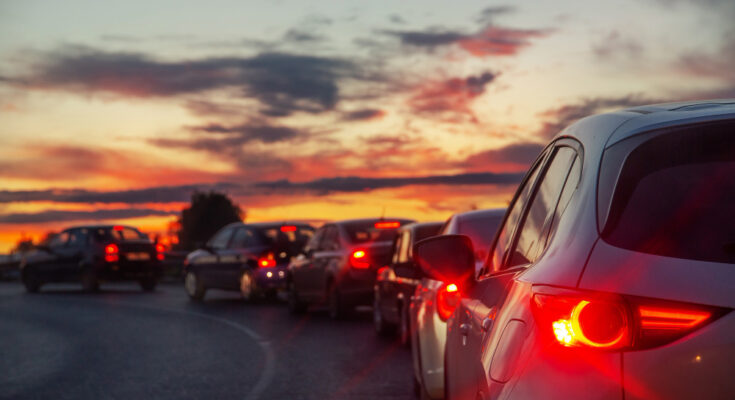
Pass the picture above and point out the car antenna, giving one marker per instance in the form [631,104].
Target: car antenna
[382,214]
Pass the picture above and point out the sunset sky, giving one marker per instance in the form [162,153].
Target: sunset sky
[319,110]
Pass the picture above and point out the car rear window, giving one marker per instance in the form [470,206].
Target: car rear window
[426,231]
[672,193]
[288,236]
[366,231]
[118,234]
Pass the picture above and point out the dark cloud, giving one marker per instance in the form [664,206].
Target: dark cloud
[161,194]
[451,96]
[489,14]
[120,38]
[69,216]
[396,19]
[302,37]
[518,154]
[615,45]
[364,114]
[248,132]
[490,41]
[283,83]
[358,184]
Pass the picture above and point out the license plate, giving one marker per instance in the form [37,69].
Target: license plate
[138,256]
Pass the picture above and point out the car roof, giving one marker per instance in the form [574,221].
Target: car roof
[98,226]
[610,128]
[271,224]
[368,220]
[491,212]
[418,225]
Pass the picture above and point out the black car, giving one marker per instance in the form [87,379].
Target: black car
[397,281]
[250,258]
[91,254]
[339,264]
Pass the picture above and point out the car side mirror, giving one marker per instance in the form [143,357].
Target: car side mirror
[446,258]
[407,270]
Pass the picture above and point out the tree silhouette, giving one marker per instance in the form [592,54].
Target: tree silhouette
[23,245]
[208,212]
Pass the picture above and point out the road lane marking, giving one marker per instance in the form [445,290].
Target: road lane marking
[269,368]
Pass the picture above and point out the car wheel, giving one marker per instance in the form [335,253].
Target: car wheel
[194,287]
[337,308]
[295,306]
[382,327]
[405,327]
[247,287]
[89,280]
[31,280]
[148,284]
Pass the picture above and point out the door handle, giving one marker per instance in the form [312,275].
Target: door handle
[464,330]
[487,323]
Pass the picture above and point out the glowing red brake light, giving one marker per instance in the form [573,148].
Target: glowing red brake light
[112,253]
[387,225]
[612,323]
[358,259]
[447,298]
[118,227]
[160,249]
[288,228]
[267,261]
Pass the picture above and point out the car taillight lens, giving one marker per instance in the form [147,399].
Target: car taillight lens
[387,224]
[267,261]
[112,253]
[359,259]
[160,249]
[447,298]
[609,322]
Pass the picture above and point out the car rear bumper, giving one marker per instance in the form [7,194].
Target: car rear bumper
[129,271]
[273,278]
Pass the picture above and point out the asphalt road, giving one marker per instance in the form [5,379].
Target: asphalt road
[122,343]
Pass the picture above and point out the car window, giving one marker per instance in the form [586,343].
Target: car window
[59,240]
[450,226]
[77,238]
[373,231]
[396,249]
[404,251]
[244,237]
[330,241]
[566,195]
[531,238]
[220,239]
[502,242]
[675,193]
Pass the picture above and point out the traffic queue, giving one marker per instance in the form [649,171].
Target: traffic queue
[612,262]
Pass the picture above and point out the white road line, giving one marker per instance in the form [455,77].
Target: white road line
[269,369]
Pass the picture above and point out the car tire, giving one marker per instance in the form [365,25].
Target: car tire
[194,287]
[404,329]
[248,289]
[336,304]
[90,284]
[148,284]
[382,327]
[295,305]
[31,280]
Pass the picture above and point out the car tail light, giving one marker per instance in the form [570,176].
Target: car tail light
[447,298]
[160,250]
[118,227]
[358,259]
[112,253]
[387,224]
[288,228]
[611,322]
[267,261]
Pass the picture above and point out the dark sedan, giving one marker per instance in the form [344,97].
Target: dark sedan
[397,281]
[339,264]
[91,254]
[251,258]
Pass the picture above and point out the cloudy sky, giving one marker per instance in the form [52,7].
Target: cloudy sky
[320,110]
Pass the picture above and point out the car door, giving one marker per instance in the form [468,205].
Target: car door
[232,258]
[302,265]
[326,254]
[75,252]
[530,219]
[211,271]
[53,265]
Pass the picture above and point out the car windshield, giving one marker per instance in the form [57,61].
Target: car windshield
[373,231]
[675,195]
